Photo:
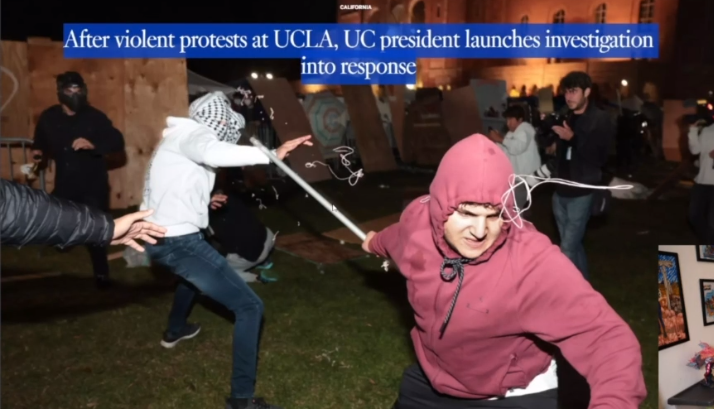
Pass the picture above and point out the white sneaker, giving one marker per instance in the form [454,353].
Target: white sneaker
[247,277]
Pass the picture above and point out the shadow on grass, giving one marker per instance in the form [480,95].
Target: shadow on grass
[67,296]
[391,284]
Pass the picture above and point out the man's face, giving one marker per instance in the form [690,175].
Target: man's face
[472,229]
[576,98]
[512,124]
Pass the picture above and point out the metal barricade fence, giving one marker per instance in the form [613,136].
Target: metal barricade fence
[11,144]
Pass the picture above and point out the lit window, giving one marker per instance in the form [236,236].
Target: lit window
[647,11]
[601,14]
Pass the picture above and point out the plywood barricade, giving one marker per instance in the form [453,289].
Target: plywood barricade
[289,121]
[426,139]
[137,95]
[460,112]
[374,150]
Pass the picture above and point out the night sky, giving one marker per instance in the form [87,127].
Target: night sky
[20,19]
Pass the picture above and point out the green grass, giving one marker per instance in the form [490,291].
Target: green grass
[332,340]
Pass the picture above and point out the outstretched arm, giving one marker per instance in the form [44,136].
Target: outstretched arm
[560,307]
[381,243]
[205,149]
[31,216]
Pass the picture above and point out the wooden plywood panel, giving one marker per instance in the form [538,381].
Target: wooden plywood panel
[428,139]
[459,107]
[153,90]
[290,122]
[374,150]
[15,115]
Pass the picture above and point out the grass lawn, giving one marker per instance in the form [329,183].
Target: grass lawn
[332,340]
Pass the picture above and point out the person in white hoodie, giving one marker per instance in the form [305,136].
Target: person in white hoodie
[701,206]
[178,187]
[520,146]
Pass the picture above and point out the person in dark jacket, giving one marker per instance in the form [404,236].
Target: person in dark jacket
[581,153]
[77,137]
[238,231]
[31,216]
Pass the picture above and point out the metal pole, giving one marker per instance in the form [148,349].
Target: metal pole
[329,206]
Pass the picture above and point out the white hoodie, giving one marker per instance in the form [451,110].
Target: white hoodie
[522,150]
[701,142]
[182,172]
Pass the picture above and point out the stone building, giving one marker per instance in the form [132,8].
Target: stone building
[685,68]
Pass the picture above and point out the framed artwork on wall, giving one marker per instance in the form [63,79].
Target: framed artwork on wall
[705,253]
[673,328]
[706,290]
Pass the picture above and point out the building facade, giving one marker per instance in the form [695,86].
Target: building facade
[688,24]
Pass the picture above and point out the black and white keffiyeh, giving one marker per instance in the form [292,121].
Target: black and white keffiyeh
[214,110]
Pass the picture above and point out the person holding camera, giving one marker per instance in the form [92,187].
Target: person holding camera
[581,152]
[701,205]
[520,146]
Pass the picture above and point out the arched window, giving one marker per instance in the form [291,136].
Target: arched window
[601,14]
[647,11]
[524,19]
[419,13]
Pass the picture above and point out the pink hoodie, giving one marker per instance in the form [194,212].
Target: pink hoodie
[522,285]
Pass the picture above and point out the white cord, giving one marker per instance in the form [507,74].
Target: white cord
[516,219]
[344,152]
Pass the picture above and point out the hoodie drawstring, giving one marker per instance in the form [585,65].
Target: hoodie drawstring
[457,268]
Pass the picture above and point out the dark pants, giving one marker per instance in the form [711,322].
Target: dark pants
[701,213]
[204,270]
[416,392]
[572,215]
[98,200]
[627,155]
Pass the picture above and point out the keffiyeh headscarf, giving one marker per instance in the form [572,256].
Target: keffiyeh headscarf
[214,110]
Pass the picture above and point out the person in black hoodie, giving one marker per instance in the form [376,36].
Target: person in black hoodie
[581,153]
[78,136]
[238,232]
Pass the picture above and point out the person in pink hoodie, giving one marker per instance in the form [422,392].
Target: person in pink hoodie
[486,293]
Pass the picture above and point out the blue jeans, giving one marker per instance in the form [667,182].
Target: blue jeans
[206,271]
[572,215]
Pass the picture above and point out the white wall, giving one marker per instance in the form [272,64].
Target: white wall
[674,375]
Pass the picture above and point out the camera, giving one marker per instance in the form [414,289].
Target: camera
[704,112]
[545,136]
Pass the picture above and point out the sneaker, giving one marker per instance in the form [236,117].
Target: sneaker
[252,403]
[266,265]
[188,332]
[247,277]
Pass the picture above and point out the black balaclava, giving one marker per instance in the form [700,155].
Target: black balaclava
[73,100]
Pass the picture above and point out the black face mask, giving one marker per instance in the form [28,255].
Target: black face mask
[74,102]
